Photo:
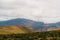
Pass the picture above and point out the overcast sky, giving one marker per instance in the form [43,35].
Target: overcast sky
[47,11]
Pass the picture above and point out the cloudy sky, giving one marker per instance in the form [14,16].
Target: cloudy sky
[47,11]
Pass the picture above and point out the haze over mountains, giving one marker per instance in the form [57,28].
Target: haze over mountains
[38,26]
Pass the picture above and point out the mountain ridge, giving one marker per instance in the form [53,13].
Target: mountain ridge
[30,24]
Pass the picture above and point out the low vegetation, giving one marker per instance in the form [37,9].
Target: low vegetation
[51,35]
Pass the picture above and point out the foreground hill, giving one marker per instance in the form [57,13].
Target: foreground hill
[14,30]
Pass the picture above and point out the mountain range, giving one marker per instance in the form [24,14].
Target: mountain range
[38,26]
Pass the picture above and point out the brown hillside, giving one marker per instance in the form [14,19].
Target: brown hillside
[13,30]
[54,29]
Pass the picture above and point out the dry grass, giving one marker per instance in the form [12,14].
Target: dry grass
[12,30]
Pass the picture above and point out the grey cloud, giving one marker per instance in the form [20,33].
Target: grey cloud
[39,9]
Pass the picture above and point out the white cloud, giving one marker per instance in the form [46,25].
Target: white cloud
[43,10]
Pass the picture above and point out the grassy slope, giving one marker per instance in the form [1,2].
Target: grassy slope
[54,29]
[13,29]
